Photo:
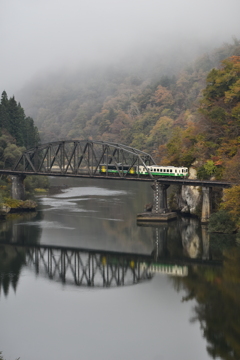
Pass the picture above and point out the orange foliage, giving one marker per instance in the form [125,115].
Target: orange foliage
[232,202]
[163,96]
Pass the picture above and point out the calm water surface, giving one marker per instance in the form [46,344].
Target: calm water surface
[80,279]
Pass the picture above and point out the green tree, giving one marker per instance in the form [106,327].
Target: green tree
[221,222]
[14,121]
[231,203]
[10,155]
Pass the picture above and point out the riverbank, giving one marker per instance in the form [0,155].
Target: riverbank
[16,206]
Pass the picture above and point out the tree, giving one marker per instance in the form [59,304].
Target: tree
[221,102]
[13,119]
[214,132]
[10,155]
[163,96]
[161,131]
[221,222]
[231,202]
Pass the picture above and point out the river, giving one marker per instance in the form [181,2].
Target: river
[81,279]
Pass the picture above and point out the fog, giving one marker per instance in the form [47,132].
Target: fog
[38,36]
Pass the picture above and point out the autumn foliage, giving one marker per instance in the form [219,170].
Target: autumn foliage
[181,116]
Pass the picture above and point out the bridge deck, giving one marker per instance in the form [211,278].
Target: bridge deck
[164,180]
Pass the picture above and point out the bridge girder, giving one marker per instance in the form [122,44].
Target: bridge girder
[82,157]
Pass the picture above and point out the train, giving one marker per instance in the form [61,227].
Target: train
[155,170]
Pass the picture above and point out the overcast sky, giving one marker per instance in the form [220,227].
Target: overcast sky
[40,34]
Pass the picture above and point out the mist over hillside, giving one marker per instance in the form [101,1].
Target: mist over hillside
[71,103]
[48,35]
[125,71]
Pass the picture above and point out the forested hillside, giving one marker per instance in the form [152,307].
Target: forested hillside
[182,115]
[144,109]
[17,131]
[182,112]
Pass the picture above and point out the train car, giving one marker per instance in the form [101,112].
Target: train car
[155,170]
[110,168]
[159,170]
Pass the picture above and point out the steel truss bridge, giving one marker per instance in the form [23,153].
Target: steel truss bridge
[82,158]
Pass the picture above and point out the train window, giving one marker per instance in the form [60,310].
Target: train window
[170,170]
[167,170]
[175,170]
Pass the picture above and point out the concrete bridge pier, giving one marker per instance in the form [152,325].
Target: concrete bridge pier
[160,211]
[206,204]
[160,198]
[18,189]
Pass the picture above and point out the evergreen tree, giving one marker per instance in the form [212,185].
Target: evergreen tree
[14,121]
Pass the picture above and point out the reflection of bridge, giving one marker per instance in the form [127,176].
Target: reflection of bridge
[84,267]
[82,158]
[96,268]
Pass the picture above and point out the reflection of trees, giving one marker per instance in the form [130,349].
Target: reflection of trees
[184,239]
[217,292]
[11,261]
[15,229]
[10,267]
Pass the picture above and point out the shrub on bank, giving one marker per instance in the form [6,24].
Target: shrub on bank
[222,222]
[12,205]
[36,182]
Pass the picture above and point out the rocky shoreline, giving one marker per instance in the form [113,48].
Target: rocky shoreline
[17,206]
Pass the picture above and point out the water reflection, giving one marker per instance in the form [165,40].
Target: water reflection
[81,267]
[11,264]
[12,260]
[183,239]
[217,292]
[216,289]
[208,270]
[171,255]
[10,230]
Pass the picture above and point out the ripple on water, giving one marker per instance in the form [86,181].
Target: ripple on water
[89,190]
[65,205]
[47,225]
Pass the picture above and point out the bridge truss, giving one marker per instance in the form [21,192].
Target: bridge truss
[82,158]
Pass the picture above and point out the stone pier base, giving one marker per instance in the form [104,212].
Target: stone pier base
[154,217]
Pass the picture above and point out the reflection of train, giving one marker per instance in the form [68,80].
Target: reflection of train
[150,268]
[112,260]
[169,269]
[156,170]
